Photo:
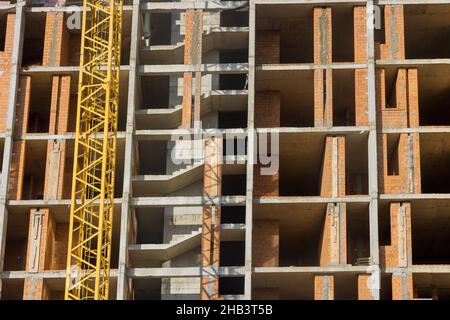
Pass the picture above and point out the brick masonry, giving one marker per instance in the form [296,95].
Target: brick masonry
[333,240]
[266,243]
[47,250]
[212,189]
[407,179]
[17,169]
[394,48]
[333,167]
[5,69]
[364,292]
[323,287]
[323,85]
[192,56]
[399,253]
[267,47]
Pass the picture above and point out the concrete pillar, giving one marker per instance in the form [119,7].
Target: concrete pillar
[267,47]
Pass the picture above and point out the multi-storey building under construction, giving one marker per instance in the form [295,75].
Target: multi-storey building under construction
[266,149]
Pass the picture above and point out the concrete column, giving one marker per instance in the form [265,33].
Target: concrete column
[124,285]
[251,144]
[372,151]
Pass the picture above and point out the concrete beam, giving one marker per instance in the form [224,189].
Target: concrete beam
[221,68]
[311,66]
[297,200]
[182,6]
[143,273]
[126,211]
[185,201]
[312,270]
[31,70]
[412,62]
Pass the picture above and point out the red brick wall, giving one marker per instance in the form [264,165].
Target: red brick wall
[192,55]
[359,31]
[394,48]
[360,52]
[56,41]
[35,289]
[326,186]
[333,252]
[323,84]
[397,287]
[266,243]
[265,185]
[15,184]
[413,98]
[267,109]
[361,98]
[322,35]
[320,293]
[267,47]
[323,98]
[363,287]
[5,67]
[265,294]
[399,183]
[59,115]
[59,259]
[389,255]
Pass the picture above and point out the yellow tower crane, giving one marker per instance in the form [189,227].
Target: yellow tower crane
[92,202]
